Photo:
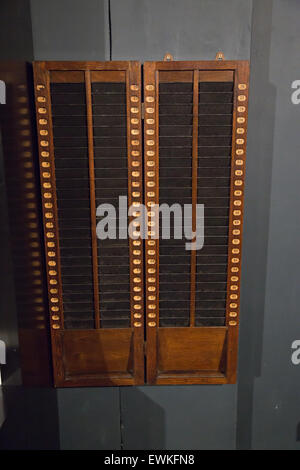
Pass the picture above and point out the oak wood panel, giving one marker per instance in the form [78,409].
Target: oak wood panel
[191,349]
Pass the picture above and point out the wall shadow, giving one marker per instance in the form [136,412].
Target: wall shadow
[257,213]
[142,421]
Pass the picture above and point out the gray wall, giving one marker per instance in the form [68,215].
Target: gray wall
[269,406]
[262,410]
[69,29]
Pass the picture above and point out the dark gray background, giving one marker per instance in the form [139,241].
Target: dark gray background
[263,409]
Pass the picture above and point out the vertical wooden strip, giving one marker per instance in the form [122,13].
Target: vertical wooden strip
[151,172]
[46,154]
[239,141]
[134,162]
[89,112]
[194,193]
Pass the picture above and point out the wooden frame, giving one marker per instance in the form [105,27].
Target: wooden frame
[219,341]
[115,356]
[65,343]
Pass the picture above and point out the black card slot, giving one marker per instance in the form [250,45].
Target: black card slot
[115,324]
[114,289]
[109,98]
[79,325]
[175,87]
[211,268]
[216,231]
[216,212]
[180,153]
[74,243]
[174,286]
[110,164]
[219,295]
[69,164]
[85,289]
[78,307]
[209,240]
[210,287]
[211,277]
[176,98]
[68,110]
[110,183]
[177,120]
[175,182]
[116,142]
[110,279]
[113,270]
[76,280]
[111,297]
[112,252]
[74,252]
[166,296]
[108,87]
[61,122]
[215,120]
[210,304]
[214,130]
[212,192]
[109,121]
[223,141]
[68,142]
[113,260]
[173,306]
[106,193]
[174,268]
[215,221]
[214,151]
[79,131]
[215,108]
[172,323]
[109,110]
[68,173]
[209,321]
[219,171]
[75,270]
[215,86]
[108,154]
[75,297]
[175,142]
[175,193]
[57,87]
[209,313]
[70,203]
[81,264]
[212,182]
[210,259]
[215,97]
[115,305]
[75,233]
[176,109]
[68,99]
[171,173]
[73,152]
[109,131]
[213,202]
[74,213]
[168,131]
[163,278]
[111,173]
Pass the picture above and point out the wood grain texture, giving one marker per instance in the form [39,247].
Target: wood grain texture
[194,193]
[89,114]
[99,357]
[180,353]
